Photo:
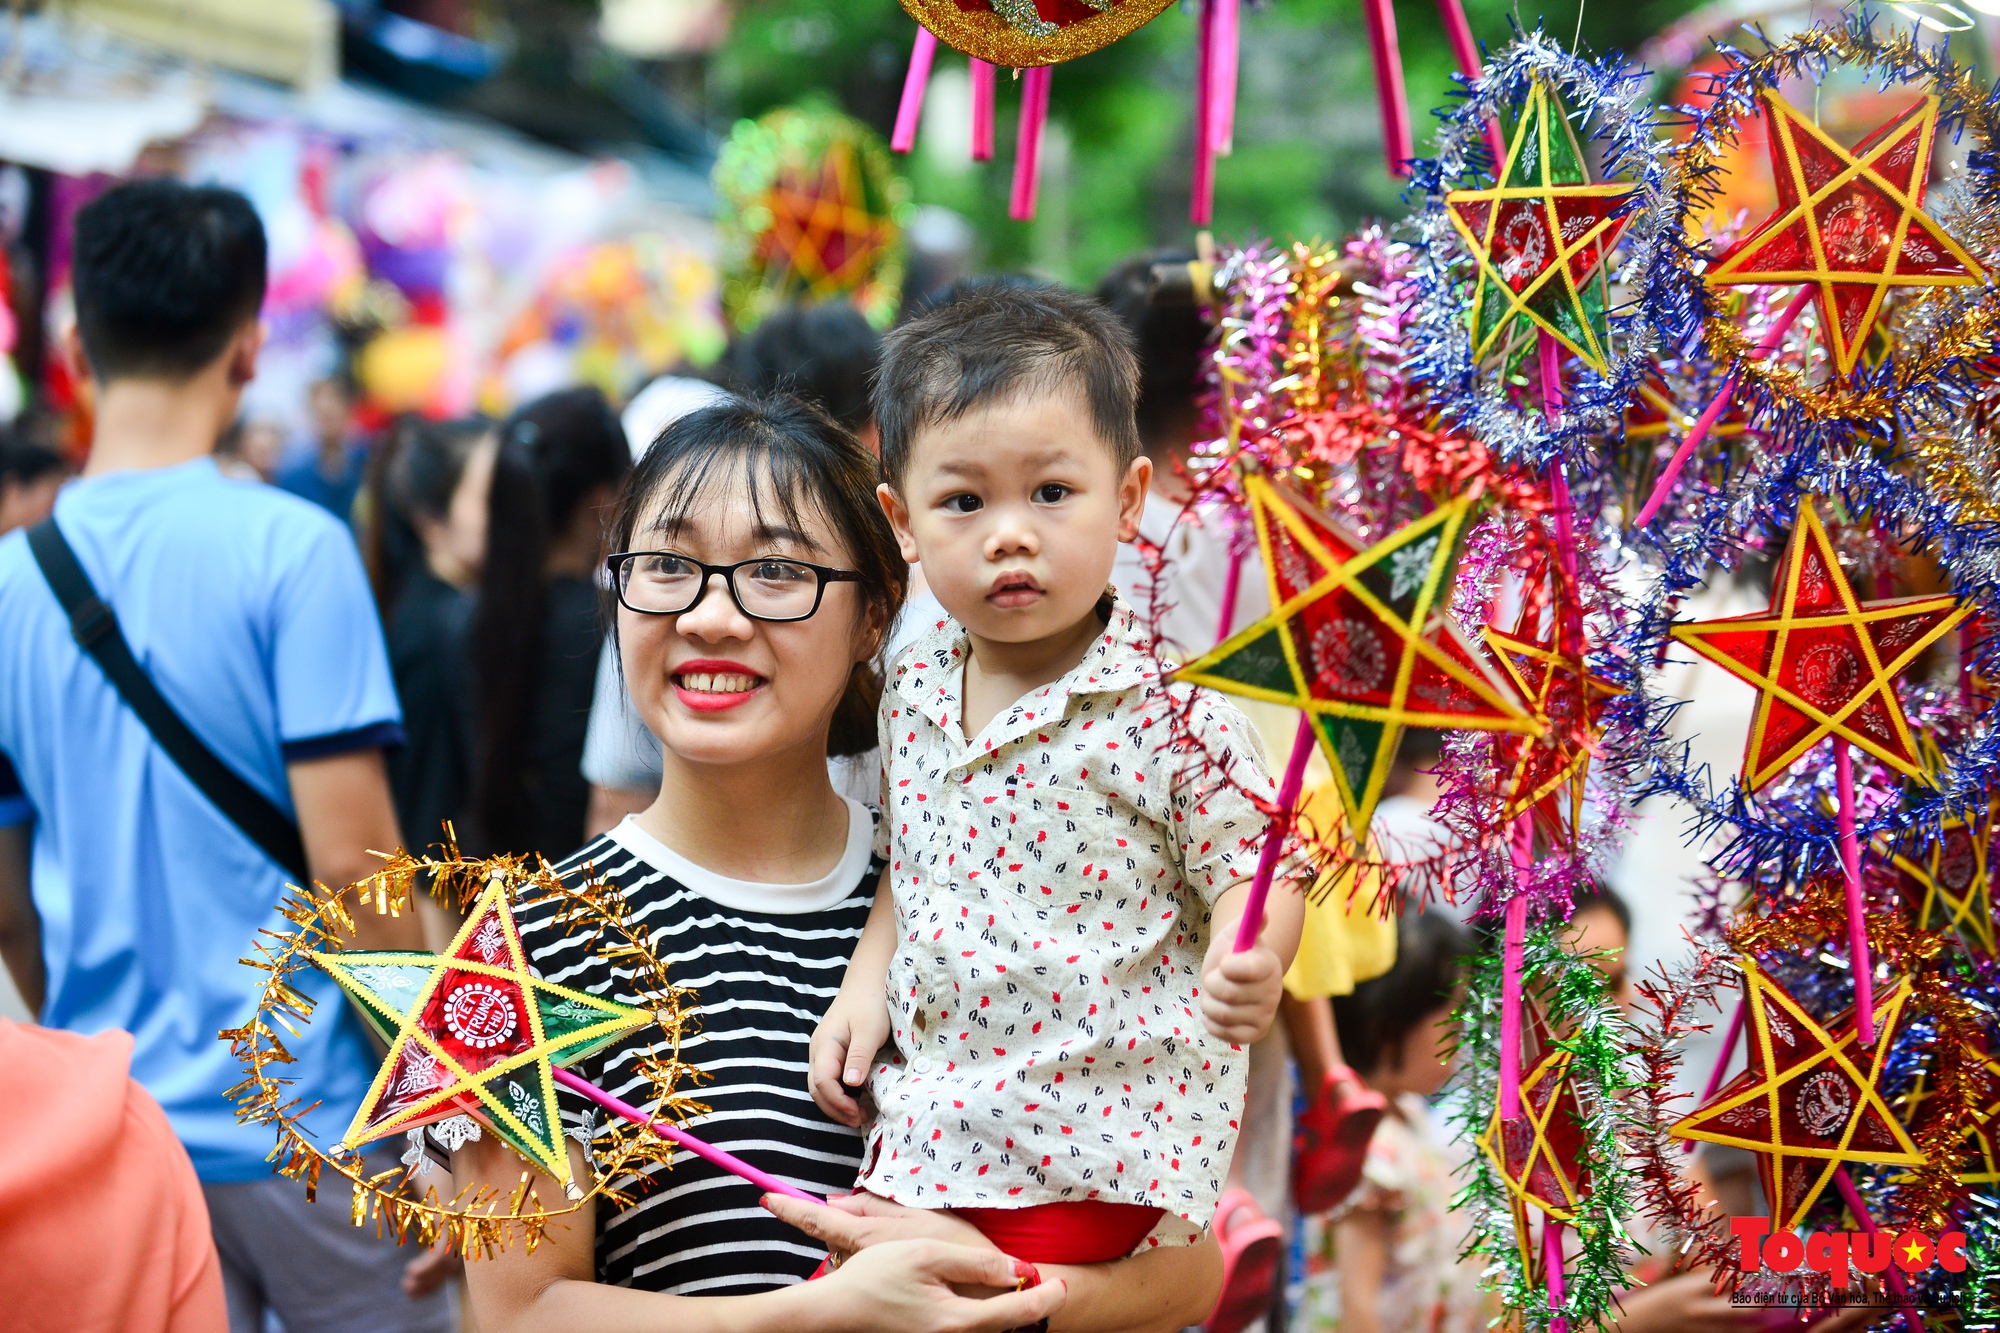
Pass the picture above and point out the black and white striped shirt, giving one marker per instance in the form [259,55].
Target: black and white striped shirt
[764,962]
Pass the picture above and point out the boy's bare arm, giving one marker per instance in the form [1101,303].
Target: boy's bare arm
[857,1022]
[1240,991]
[345,813]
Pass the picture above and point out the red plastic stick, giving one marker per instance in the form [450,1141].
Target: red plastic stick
[982,111]
[1274,837]
[1397,145]
[911,109]
[1028,143]
[1713,412]
[728,1161]
[1858,960]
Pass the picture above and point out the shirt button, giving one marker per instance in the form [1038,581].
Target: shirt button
[922,1064]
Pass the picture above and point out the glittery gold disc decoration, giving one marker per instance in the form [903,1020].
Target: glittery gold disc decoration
[1021,33]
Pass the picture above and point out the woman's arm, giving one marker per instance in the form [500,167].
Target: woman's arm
[857,1022]
[903,1287]
[1156,1292]
[1363,1240]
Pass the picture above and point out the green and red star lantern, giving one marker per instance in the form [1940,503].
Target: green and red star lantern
[1825,665]
[474,1031]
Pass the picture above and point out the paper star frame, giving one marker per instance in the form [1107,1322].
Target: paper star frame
[1538,1154]
[1834,635]
[1942,330]
[472,1222]
[1019,34]
[1611,105]
[1806,1077]
[1337,602]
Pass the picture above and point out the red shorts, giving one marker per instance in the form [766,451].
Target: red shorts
[1087,1231]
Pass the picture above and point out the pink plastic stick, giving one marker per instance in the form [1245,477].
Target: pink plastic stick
[1521,850]
[1222,79]
[982,111]
[1729,1037]
[1859,1207]
[1552,1267]
[1858,960]
[1548,356]
[1230,583]
[1466,52]
[1274,837]
[728,1161]
[911,109]
[1397,145]
[1713,412]
[1201,194]
[1028,142]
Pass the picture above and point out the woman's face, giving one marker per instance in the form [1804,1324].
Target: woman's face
[1597,930]
[717,687]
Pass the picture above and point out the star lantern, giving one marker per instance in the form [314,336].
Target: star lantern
[1852,224]
[1824,663]
[1539,1152]
[1565,698]
[1022,34]
[1541,235]
[822,234]
[1809,1100]
[1947,881]
[474,1032]
[1981,1163]
[1360,638]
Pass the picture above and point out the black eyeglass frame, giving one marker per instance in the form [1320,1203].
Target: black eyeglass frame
[824,573]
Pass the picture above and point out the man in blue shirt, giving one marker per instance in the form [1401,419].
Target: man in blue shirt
[331,476]
[248,609]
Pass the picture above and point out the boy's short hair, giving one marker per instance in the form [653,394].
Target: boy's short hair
[993,342]
[165,275]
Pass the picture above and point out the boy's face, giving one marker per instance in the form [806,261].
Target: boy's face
[1016,510]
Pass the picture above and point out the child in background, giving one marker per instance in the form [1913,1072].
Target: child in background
[1387,1260]
[1063,887]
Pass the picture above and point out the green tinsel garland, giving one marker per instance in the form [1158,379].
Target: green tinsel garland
[1573,999]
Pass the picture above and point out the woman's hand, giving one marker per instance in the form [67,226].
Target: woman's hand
[911,1286]
[848,1224]
[843,1046]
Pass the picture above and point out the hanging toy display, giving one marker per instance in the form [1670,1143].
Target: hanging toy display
[813,209]
[1891,263]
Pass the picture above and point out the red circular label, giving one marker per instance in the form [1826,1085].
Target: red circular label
[480,1015]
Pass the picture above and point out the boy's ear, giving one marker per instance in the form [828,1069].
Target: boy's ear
[1132,496]
[899,519]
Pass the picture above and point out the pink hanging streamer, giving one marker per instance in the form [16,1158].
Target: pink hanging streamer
[1397,145]
[1466,52]
[1729,1039]
[911,109]
[1851,1196]
[982,111]
[728,1161]
[1713,412]
[1274,837]
[1201,197]
[1222,77]
[1028,142]
[1859,962]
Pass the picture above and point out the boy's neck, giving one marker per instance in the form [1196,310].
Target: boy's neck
[154,423]
[997,674]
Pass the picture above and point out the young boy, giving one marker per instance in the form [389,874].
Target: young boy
[1068,859]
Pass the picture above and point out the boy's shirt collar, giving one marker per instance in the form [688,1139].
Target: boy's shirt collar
[931,678]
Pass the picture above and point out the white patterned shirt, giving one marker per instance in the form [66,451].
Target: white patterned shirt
[1053,881]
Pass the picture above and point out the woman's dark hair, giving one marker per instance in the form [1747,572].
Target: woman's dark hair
[415,471]
[825,354]
[797,460]
[1603,898]
[554,453]
[1172,342]
[1383,1010]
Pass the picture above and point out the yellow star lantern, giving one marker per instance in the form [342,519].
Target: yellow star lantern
[1541,235]
[1824,662]
[1360,638]
[1850,223]
[1810,1099]
[476,1032]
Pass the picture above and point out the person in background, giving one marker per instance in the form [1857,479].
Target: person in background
[102,1221]
[251,615]
[30,476]
[1387,1259]
[331,475]
[249,449]
[826,355]
[540,622]
[426,549]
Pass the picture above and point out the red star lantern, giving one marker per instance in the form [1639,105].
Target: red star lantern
[1947,881]
[1981,1163]
[1809,1100]
[1824,663]
[1565,698]
[1537,1153]
[1851,223]
[822,230]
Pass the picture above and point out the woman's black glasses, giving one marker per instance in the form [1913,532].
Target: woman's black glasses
[666,583]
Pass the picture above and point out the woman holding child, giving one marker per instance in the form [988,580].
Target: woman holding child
[756,578]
